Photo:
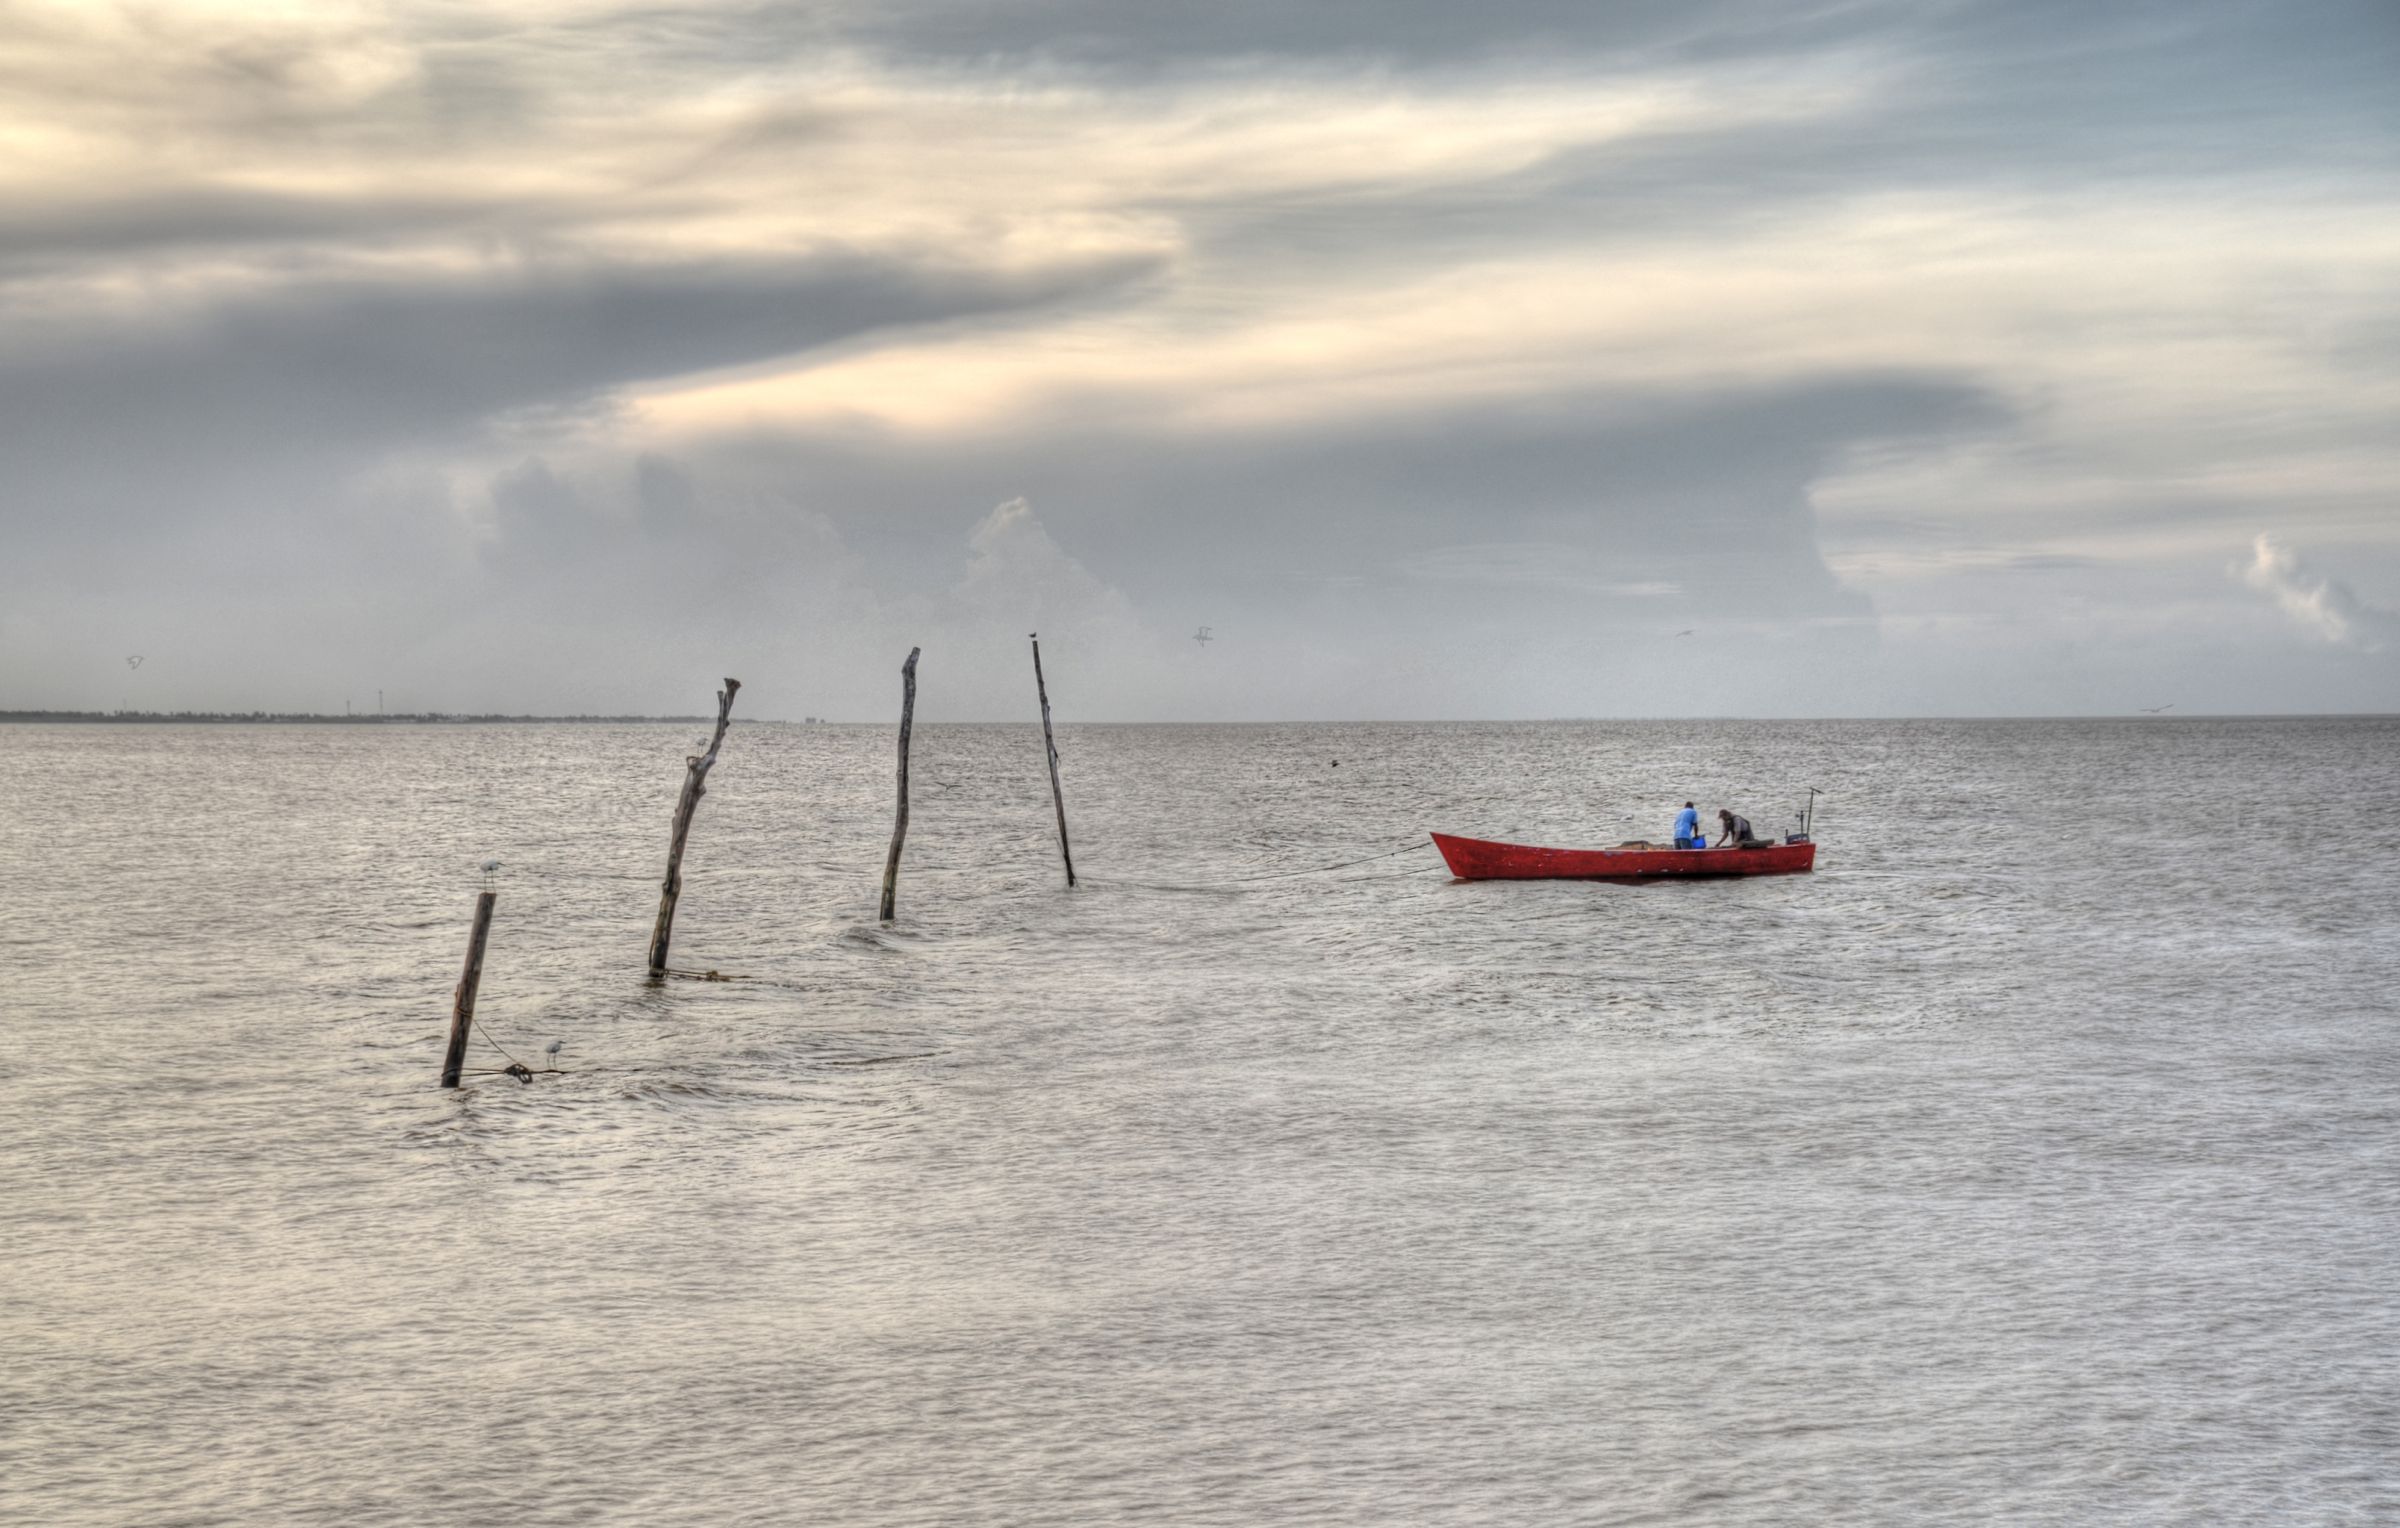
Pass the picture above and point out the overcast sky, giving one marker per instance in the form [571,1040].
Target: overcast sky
[1520,358]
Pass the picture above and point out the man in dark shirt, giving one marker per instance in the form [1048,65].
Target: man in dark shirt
[1737,829]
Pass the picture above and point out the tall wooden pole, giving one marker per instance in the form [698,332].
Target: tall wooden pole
[908,711]
[695,777]
[462,1002]
[1058,798]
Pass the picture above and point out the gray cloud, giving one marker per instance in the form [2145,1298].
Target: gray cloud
[109,419]
[1703,486]
[1094,33]
[1518,560]
[1463,562]
[2075,48]
[2003,99]
[45,233]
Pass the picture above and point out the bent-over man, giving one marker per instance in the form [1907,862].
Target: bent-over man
[1737,830]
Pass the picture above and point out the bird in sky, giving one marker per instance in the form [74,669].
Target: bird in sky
[134,662]
[2154,710]
[1687,631]
[1203,637]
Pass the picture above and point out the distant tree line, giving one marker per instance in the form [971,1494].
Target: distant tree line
[369,719]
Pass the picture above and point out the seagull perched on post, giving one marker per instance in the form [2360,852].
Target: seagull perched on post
[551,1050]
[491,867]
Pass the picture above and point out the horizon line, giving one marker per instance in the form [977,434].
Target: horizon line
[36,716]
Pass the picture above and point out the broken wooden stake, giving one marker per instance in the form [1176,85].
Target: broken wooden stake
[462,1002]
[1050,750]
[695,774]
[908,710]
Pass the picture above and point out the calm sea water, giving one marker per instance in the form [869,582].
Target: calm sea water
[2036,1160]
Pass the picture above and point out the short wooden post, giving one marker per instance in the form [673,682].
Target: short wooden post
[462,1002]
[1058,798]
[695,777]
[908,711]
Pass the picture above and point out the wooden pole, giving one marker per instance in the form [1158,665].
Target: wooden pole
[1058,798]
[462,1002]
[908,711]
[695,777]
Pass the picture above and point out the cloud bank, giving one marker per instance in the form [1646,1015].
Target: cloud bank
[1445,361]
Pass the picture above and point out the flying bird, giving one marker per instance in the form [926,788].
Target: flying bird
[1203,637]
[2154,710]
[134,662]
[1687,631]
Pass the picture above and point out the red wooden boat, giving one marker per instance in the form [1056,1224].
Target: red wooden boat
[1478,859]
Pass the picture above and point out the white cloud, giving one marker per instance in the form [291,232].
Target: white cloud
[1019,580]
[1018,573]
[2321,605]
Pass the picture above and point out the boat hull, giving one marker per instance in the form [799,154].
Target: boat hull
[1477,859]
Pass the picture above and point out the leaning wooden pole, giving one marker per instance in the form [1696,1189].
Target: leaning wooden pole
[908,711]
[695,778]
[1058,797]
[462,1002]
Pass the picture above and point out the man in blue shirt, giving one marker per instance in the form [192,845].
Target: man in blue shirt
[1687,828]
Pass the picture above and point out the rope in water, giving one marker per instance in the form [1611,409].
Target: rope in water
[1280,875]
[494,1044]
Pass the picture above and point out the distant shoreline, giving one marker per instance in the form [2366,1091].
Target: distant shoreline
[396,718]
